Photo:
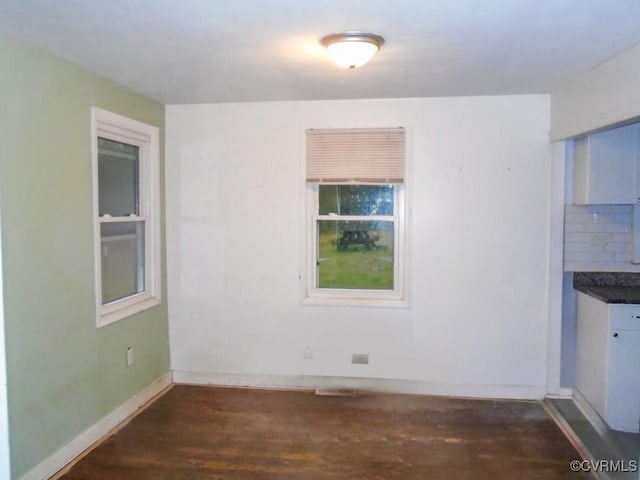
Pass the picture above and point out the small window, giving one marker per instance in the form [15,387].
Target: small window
[355,254]
[355,185]
[125,165]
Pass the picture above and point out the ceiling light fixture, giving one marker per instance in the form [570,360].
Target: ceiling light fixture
[352,49]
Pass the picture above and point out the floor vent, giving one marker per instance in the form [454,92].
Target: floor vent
[336,392]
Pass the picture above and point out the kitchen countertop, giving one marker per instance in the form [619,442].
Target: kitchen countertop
[609,287]
[612,294]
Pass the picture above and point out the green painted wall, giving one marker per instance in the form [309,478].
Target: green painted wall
[63,373]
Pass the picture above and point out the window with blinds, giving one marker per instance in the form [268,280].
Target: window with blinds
[356,195]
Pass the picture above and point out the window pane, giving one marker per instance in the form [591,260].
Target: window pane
[118,178]
[122,246]
[356,199]
[355,255]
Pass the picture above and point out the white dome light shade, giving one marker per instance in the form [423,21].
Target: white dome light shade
[351,49]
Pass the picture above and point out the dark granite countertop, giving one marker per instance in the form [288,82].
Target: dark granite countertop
[609,287]
[612,294]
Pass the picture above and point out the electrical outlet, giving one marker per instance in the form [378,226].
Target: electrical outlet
[129,356]
[307,354]
[360,358]
[598,239]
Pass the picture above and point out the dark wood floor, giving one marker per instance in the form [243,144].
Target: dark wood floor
[194,433]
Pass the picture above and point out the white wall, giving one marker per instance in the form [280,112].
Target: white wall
[479,241]
[608,94]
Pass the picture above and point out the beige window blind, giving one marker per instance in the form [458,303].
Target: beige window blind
[360,155]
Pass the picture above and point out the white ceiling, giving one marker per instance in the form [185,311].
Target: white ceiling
[192,51]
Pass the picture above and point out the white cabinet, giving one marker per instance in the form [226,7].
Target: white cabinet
[608,360]
[606,167]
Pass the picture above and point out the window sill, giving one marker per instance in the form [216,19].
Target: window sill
[355,301]
[114,313]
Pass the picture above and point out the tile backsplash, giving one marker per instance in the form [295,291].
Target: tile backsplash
[598,238]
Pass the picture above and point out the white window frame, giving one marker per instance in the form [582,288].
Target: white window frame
[115,127]
[314,295]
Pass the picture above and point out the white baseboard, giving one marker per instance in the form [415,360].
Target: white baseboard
[51,465]
[311,382]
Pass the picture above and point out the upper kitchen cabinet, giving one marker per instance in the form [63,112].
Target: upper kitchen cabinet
[607,167]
